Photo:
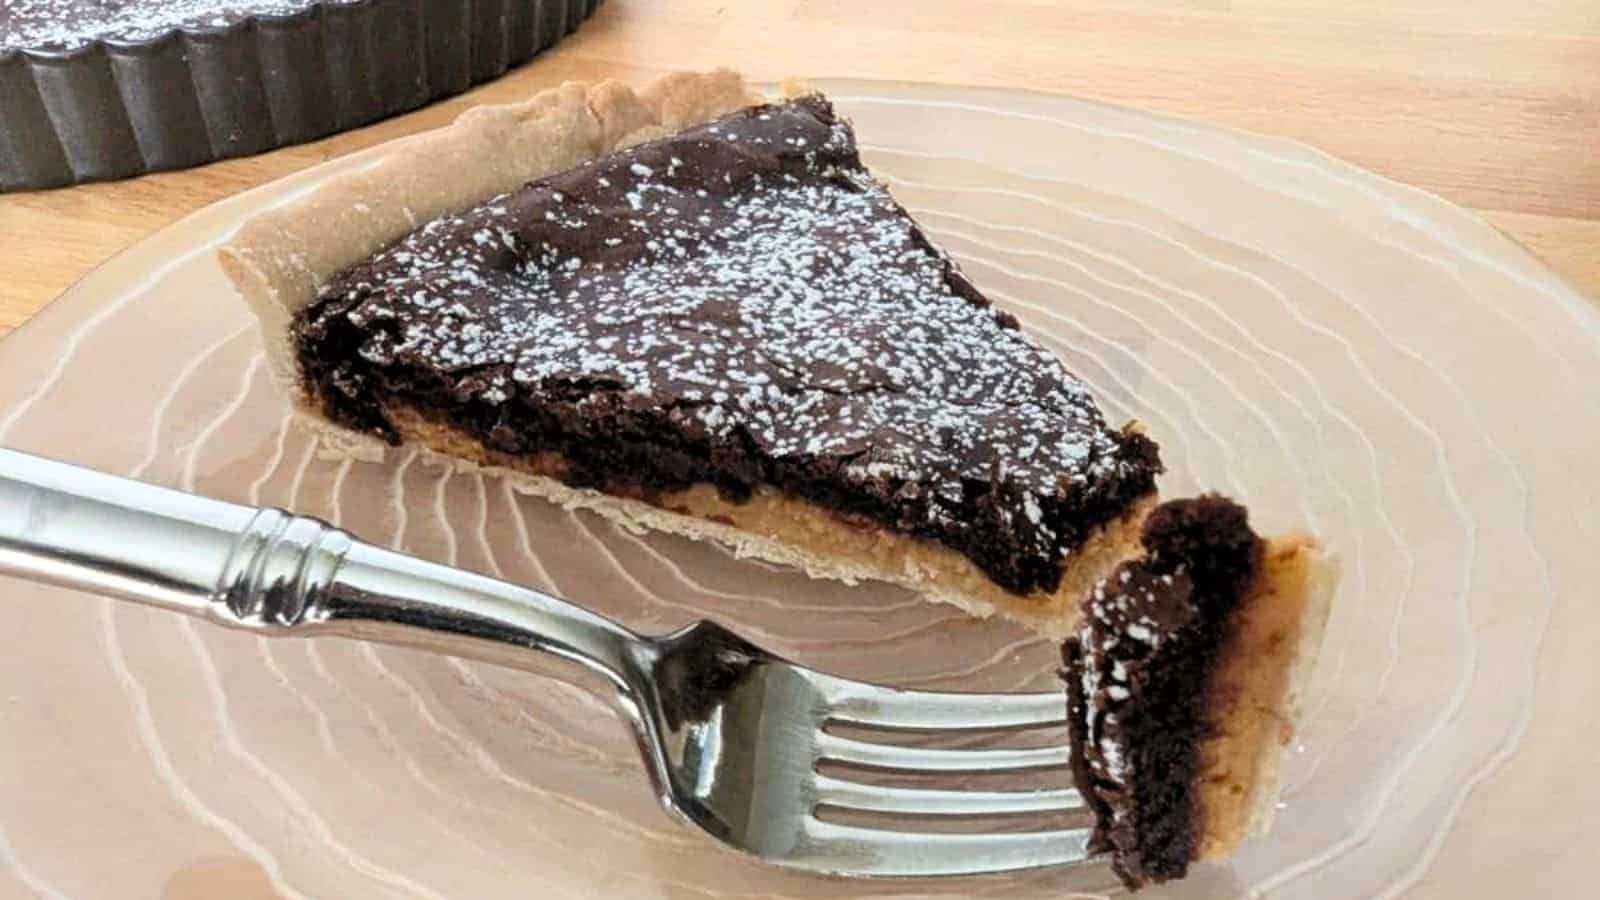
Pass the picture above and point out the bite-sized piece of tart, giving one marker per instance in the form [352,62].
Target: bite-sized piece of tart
[1183,680]
[702,313]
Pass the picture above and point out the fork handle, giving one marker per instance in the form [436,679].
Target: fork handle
[268,571]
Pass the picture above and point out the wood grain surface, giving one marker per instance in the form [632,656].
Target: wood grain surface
[1493,104]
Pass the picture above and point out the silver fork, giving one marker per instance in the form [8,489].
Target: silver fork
[731,735]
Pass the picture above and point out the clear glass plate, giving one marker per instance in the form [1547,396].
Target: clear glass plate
[1345,354]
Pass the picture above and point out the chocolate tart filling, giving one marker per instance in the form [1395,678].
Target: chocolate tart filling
[740,304]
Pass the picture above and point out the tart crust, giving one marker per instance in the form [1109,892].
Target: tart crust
[1257,691]
[782,529]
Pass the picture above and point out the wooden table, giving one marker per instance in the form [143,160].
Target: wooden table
[1493,104]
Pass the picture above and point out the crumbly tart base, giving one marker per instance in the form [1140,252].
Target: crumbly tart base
[781,529]
[1256,692]
[280,260]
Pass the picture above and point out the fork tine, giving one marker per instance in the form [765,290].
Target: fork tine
[867,851]
[917,759]
[920,801]
[867,704]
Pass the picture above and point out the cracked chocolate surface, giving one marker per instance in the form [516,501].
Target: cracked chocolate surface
[740,304]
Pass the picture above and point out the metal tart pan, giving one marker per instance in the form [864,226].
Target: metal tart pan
[114,109]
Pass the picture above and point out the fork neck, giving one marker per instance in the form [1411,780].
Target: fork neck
[380,595]
[383,596]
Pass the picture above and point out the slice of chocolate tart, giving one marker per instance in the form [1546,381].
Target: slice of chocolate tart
[1183,681]
[688,309]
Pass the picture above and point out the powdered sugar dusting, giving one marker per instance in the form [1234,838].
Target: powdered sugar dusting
[1130,616]
[782,298]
